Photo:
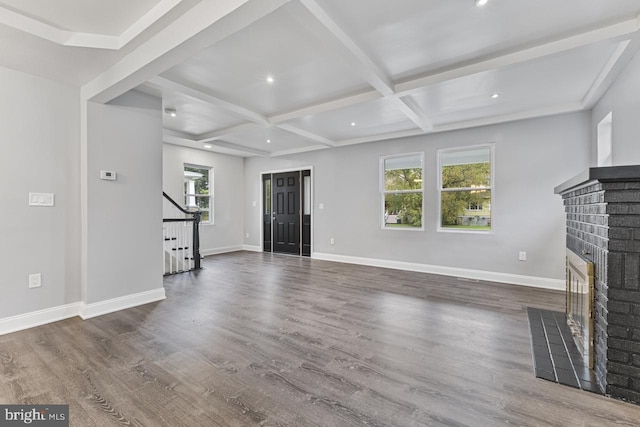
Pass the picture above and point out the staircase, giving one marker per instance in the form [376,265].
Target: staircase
[181,234]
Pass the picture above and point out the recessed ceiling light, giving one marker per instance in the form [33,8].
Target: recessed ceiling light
[481,2]
[353,123]
[171,111]
[207,146]
[268,141]
[270,79]
[495,96]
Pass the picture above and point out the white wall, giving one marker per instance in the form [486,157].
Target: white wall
[124,217]
[228,182]
[623,99]
[39,134]
[531,158]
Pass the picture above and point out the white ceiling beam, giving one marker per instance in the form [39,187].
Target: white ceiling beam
[237,147]
[217,146]
[202,94]
[493,120]
[381,137]
[372,73]
[173,136]
[618,59]
[187,140]
[298,150]
[413,111]
[78,39]
[308,135]
[33,26]
[222,133]
[205,24]
[147,20]
[485,121]
[620,29]
[336,104]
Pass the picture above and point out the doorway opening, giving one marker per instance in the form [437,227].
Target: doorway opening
[286,212]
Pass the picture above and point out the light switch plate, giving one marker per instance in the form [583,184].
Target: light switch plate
[41,199]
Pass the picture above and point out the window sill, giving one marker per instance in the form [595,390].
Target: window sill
[462,230]
[402,228]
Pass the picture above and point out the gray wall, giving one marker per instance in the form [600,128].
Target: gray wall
[39,133]
[228,180]
[124,242]
[623,99]
[531,158]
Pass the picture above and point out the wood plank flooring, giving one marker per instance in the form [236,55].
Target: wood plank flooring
[273,340]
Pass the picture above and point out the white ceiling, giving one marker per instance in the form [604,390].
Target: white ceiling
[345,72]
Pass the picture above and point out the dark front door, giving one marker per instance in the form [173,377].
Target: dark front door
[286,212]
[267,213]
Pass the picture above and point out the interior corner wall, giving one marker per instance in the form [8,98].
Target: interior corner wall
[124,217]
[39,152]
[623,100]
[531,158]
[225,234]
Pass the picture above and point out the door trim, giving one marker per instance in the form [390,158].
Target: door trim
[259,215]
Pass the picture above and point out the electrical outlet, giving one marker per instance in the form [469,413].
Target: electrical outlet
[522,256]
[332,241]
[35,280]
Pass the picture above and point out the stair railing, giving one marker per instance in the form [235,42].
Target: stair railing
[181,233]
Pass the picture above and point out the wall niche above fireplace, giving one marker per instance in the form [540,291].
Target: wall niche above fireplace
[602,208]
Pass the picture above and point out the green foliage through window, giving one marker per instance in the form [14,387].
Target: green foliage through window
[197,191]
[402,192]
[465,201]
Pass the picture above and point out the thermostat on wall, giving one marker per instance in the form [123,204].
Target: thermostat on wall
[108,175]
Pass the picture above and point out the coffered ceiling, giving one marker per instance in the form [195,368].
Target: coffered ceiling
[314,74]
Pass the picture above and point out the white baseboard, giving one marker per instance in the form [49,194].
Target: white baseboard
[491,276]
[252,248]
[87,311]
[223,250]
[38,318]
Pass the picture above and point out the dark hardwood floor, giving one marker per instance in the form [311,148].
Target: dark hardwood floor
[273,340]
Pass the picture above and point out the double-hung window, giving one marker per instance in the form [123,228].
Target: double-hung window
[198,190]
[401,191]
[465,186]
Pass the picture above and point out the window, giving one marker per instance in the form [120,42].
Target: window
[605,140]
[466,183]
[198,192]
[401,185]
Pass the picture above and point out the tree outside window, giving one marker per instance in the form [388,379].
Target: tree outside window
[197,193]
[402,191]
[466,188]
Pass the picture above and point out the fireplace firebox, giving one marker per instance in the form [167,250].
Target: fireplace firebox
[580,303]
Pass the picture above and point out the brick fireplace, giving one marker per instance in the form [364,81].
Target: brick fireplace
[603,226]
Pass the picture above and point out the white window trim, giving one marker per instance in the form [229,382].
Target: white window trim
[211,191]
[383,192]
[439,228]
